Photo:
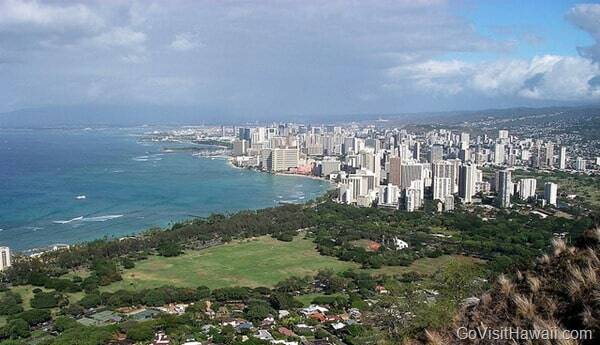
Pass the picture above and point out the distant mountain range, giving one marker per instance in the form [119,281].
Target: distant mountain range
[112,115]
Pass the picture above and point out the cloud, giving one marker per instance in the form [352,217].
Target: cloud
[587,18]
[548,77]
[185,41]
[270,58]
[31,14]
[121,37]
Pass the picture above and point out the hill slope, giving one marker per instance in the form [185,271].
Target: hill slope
[561,293]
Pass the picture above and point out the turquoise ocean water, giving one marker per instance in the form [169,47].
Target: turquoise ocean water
[73,185]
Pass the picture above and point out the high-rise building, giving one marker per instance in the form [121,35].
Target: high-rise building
[465,138]
[279,159]
[549,155]
[413,196]
[5,260]
[417,151]
[550,192]
[395,176]
[357,187]
[443,173]
[283,159]
[372,162]
[240,147]
[499,154]
[436,154]
[410,172]
[580,164]
[527,187]
[244,133]
[505,187]
[329,166]
[389,194]
[466,183]
[442,188]
[562,158]
[503,134]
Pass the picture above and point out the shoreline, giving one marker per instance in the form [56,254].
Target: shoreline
[51,246]
[312,177]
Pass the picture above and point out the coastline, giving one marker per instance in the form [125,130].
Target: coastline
[53,243]
[332,184]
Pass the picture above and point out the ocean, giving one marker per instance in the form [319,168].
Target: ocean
[74,185]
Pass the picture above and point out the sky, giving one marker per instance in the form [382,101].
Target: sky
[269,58]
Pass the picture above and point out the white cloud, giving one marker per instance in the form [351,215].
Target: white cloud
[587,18]
[29,14]
[134,58]
[185,41]
[121,36]
[548,77]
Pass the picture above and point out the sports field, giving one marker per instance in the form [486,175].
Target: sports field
[262,261]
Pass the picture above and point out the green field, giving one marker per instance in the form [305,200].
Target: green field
[26,292]
[426,266]
[262,261]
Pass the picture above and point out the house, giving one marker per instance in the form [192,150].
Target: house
[268,321]
[161,338]
[338,325]
[264,335]
[314,309]
[283,313]
[318,316]
[246,325]
[286,331]
[399,244]
[354,313]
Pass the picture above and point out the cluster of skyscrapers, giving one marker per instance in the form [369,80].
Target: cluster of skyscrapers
[395,168]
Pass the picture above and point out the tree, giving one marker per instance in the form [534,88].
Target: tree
[155,297]
[282,300]
[18,328]
[34,316]
[45,300]
[169,249]
[141,331]
[63,323]
[84,336]
[90,301]
[10,304]
[258,310]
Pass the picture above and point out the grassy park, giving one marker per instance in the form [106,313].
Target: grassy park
[262,261]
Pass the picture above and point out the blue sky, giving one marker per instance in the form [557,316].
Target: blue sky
[542,18]
[253,58]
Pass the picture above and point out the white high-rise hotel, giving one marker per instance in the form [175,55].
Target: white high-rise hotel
[4,258]
[527,188]
[550,192]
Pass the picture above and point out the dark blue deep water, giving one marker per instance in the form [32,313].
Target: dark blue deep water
[129,186]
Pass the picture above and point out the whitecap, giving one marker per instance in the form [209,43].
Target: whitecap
[34,228]
[68,221]
[102,218]
[80,197]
